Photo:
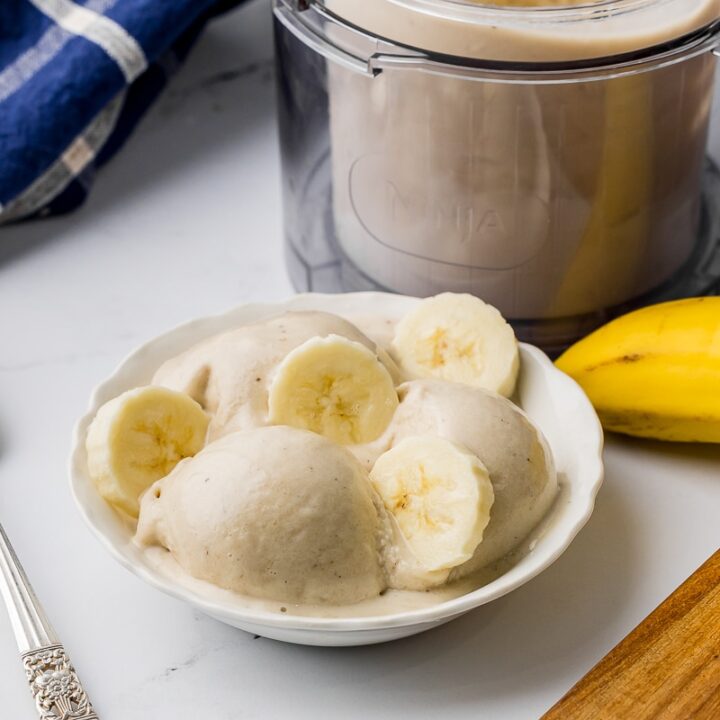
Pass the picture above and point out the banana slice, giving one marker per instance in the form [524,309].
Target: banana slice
[461,339]
[441,496]
[138,438]
[334,387]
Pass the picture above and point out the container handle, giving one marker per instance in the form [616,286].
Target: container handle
[313,39]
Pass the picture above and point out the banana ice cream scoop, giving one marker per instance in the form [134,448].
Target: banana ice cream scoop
[230,374]
[276,513]
[513,450]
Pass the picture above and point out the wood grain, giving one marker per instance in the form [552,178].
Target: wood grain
[668,668]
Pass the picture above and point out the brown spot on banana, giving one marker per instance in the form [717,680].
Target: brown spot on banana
[628,359]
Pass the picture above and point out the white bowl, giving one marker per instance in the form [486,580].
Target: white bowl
[554,402]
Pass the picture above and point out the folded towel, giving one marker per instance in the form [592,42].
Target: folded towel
[76,76]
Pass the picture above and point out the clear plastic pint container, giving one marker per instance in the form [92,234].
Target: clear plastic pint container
[551,160]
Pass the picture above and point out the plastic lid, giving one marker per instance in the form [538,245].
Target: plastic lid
[528,30]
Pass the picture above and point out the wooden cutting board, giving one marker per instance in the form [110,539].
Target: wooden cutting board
[668,668]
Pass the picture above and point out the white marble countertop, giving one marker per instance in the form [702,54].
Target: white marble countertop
[186,222]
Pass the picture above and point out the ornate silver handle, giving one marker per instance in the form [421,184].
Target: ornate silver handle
[53,681]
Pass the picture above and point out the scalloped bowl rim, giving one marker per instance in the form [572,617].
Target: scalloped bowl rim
[446,610]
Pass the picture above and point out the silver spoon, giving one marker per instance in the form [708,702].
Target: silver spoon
[54,684]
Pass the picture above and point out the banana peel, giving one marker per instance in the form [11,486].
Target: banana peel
[655,373]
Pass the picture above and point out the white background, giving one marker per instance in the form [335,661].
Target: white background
[186,221]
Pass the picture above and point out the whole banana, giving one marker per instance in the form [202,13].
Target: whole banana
[655,373]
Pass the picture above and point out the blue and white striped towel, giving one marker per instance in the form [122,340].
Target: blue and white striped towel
[75,78]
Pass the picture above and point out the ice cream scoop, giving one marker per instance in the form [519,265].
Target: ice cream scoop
[276,513]
[230,374]
[512,449]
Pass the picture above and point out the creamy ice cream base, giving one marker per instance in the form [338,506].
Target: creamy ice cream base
[285,520]
[550,200]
